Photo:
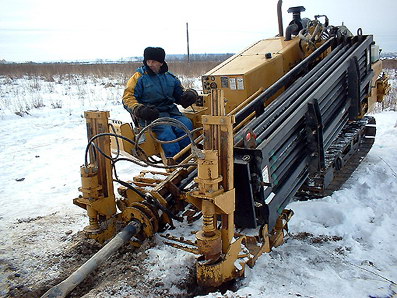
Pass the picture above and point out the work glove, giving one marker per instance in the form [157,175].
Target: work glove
[188,98]
[148,113]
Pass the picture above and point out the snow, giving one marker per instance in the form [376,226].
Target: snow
[342,245]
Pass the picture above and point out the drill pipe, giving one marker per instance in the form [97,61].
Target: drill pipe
[65,287]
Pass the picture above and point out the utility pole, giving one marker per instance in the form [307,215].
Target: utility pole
[187,41]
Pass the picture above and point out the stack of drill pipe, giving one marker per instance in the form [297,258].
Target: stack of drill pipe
[281,134]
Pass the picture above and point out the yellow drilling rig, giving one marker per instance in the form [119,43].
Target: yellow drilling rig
[285,117]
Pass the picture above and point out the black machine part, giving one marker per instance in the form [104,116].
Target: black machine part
[297,23]
[341,159]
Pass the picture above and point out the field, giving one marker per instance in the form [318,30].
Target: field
[61,85]
[340,246]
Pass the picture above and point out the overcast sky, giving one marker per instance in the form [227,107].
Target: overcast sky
[50,30]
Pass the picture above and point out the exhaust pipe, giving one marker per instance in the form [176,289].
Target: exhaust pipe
[65,287]
[280,18]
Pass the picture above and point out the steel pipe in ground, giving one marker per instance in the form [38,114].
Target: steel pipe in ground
[65,287]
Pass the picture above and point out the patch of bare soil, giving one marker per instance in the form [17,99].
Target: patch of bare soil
[315,239]
[125,274]
[42,252]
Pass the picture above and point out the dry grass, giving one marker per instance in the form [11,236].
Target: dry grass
[55,84]
[27,86]
[390,100]
[389,63]
[121,71]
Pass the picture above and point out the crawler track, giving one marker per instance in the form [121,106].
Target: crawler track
[341,159]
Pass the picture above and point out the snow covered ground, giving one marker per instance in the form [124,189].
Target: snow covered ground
[341,246]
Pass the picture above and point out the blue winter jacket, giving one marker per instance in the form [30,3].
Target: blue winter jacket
[161,90]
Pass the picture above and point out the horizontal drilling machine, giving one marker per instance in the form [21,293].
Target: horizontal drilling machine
[284,118]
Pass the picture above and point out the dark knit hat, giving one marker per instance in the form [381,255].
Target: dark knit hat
[152,53]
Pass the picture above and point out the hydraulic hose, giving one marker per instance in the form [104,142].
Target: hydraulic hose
[65,287]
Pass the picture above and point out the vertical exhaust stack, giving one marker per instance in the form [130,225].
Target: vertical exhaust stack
[280,18]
